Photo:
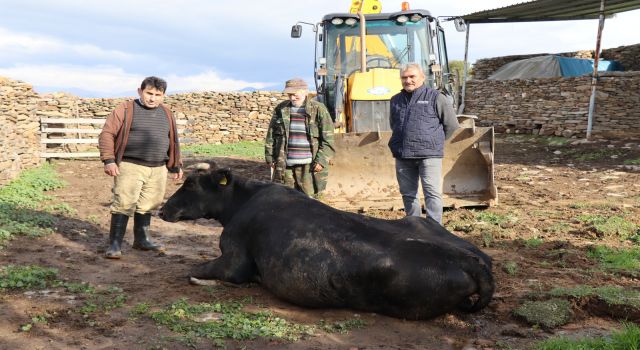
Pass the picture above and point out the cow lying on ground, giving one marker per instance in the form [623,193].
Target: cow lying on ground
[313,255]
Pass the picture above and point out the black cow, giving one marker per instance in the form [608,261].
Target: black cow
[313,255]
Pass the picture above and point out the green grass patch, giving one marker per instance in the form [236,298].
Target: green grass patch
[244,149]
[510,267]
[599,206]
[78,288]
[556,141]
[628,338]
[488,239]
[139,310]
[632,161]
[534,242]
[595,155]
[520,138]
[547,314]
[27,191]
[459,225]
[342,327]
[26,277]
[494,218]
[612,295]
[618,260]
[103,300]
[219,321]
[558,227]
[37,319]
[23,204]
[527,138]
[610,226]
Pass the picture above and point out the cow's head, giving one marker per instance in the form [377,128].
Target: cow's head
[202,195]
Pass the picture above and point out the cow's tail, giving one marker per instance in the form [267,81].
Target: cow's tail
[483,277]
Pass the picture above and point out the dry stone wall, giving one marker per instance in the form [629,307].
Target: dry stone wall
[558,106]
[19,129]
[226,117]
[628,56]
[213,118]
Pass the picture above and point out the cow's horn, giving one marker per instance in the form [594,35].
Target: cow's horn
[203,166]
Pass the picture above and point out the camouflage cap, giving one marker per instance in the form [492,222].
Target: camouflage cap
[295,85]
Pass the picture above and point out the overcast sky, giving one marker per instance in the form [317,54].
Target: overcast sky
[104,48]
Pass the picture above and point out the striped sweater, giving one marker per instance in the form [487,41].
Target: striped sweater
[299,147]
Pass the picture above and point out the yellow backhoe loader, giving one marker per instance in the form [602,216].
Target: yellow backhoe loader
[358,56]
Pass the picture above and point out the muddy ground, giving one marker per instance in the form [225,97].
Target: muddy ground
[543,188]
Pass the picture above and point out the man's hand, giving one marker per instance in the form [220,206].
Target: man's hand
[317,168]
[111,169]
[177,176]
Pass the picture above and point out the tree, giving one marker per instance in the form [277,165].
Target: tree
[457,67]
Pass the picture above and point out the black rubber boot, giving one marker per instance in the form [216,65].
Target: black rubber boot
[141,223]
[116,234]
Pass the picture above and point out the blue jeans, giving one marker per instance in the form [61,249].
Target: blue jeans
[429,171]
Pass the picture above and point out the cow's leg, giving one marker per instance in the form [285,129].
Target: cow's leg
[235,265]
[230,267]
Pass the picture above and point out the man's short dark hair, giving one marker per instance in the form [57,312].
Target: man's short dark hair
[155,82]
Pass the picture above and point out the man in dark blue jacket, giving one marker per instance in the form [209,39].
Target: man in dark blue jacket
[421,119]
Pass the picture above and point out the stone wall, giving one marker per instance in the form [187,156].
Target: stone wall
[19,129]
[628,56]
[558,106]
[226,117]
[213,118]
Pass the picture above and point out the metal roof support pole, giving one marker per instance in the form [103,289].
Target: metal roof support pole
[594,77]
[363,40]
[464,75]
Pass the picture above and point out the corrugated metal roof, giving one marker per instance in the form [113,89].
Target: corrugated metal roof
[551,10]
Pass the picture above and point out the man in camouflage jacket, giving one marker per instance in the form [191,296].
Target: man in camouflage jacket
[299,142]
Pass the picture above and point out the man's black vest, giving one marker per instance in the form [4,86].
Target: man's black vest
[417,130]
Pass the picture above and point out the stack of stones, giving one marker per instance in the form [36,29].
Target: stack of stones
[628,56]
[558,106]
[20,129]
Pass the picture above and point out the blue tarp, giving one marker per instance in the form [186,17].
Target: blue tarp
[549,66]
[574,67]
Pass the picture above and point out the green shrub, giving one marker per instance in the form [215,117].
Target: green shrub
[625,260]
[219,321]
[610,226]
[628,338]
[26,277]
[548,314]
[22,207]
[612,295]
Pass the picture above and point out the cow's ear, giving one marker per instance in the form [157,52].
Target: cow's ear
[223,177]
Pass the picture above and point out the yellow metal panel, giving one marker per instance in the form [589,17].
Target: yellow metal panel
[375,85]
[368,6]
[375,46]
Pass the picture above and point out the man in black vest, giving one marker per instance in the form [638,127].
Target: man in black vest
[421,119]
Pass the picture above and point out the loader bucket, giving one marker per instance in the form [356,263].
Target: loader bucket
[362,173]
[467,167]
